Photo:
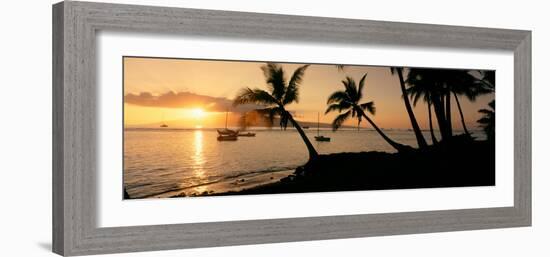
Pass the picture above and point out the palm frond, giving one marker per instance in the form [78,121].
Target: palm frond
[292,90]
[269,114]
[351,88]
[487,121]
[361,85]
[340,119]
[393,70]
[369,107]
[484,120]
[254,96]
[275,79]
[338,96]
[485,111]
[492,105]
[338,107]
[340,67]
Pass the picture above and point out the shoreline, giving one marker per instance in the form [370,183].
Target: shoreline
[460,163]
[241,182]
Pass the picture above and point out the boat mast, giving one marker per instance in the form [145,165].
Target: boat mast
[318,123]
[226,112]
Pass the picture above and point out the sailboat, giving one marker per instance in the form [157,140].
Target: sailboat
[319,137]
[227,134]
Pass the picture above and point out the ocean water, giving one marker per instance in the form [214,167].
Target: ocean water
[163,162]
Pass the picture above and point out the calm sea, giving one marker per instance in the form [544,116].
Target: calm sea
[161,162]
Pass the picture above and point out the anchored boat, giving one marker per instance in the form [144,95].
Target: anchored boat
[319,137]
[227,134]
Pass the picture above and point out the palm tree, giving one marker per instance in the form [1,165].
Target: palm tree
[347,101]
[488,120]
[488,79]
[466,84]
[423,85]
[426,92]
[434,139]
[439,85]
[279,95]
[417,132]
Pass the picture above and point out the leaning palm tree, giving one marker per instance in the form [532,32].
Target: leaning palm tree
[346,102]
[417,132]
[488,120]
[278,95]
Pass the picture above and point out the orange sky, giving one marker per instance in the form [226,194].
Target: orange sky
[195,93]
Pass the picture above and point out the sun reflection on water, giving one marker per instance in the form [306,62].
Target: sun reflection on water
[198,157]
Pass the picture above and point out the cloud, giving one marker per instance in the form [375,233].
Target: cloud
[185,100]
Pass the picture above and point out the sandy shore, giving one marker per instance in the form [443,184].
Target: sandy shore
[459,163]
[239,183]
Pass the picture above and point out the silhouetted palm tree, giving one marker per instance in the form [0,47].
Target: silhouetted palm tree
[440,85]
[488,79]
[423,91]
[488,120]
[347,101]
[279,95]
[422,85]
[417,132]
[434,139]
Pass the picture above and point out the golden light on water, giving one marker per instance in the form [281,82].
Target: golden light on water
[198,157]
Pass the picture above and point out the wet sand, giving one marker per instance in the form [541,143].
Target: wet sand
[240,183]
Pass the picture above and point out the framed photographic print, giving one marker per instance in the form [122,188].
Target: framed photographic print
[181,128]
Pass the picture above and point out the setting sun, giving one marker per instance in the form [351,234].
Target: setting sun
[198,113]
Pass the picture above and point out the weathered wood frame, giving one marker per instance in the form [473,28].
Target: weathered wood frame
[75,25]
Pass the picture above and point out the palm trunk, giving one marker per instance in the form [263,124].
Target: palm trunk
[448,114]
[439,111]
[419,137]
[311,150]
[434,139]
[397,146]
[461,114]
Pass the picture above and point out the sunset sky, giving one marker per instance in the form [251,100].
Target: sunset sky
[196,93]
